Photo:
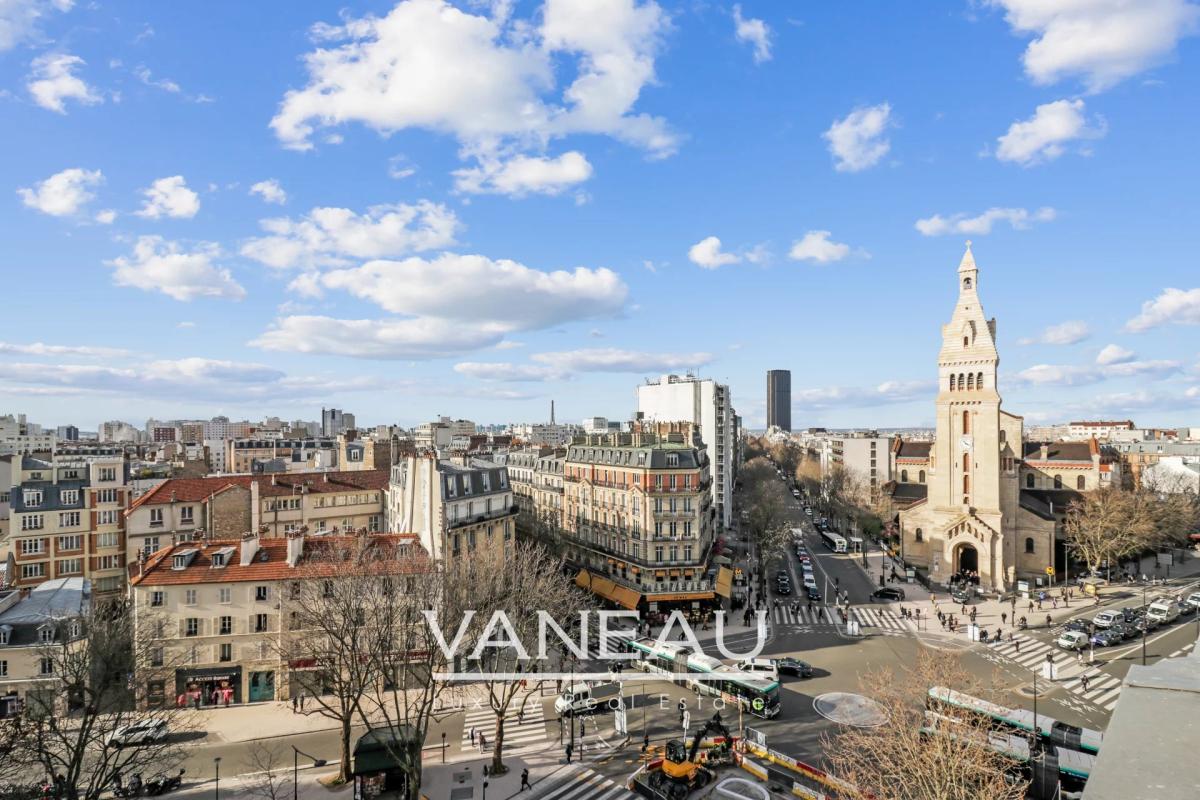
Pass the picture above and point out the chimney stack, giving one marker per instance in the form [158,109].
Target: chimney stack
[249,548]
[295,548]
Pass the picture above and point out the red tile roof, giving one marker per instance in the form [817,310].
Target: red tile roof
[158,571]
[194,490]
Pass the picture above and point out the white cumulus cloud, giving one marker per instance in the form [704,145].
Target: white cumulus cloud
[19,19]
[707,253]
[335,236]
[611,359]
[754,32]
[817,246]
[1045,135]
[408,339]
[158,265]
[859,140]
[981,224]
[64,193]
[1101,41]
[52,81]
[1070,332]
[169,197]
[1177,306]
[404,70]
[1114,354]
[522,175]
[43,349]
[270,191]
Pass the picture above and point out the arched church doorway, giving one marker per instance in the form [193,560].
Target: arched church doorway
[966,559]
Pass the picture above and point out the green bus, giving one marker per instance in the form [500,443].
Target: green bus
[706,675]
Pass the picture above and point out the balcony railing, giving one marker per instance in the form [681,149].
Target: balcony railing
[476,519]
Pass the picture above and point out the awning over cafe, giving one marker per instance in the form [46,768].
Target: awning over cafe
[605,588]
[724,585]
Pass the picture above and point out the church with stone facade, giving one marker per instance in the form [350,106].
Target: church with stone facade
[979,499]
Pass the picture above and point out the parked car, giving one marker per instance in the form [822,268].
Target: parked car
[793,666]
[1081,625]
[1124,629]
[145,732]
[813,592]
[887,593]
[1193,600]
[809,580]
[962,595]
[1072,640]
[1108,636]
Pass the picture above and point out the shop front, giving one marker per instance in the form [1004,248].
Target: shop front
[217,686]
[262,686]
[381,756]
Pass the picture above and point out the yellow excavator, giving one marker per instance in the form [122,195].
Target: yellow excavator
[680,773]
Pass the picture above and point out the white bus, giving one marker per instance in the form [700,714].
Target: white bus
[834,541]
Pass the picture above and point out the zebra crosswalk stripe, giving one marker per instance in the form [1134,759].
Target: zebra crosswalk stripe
[531,728]
[577,782]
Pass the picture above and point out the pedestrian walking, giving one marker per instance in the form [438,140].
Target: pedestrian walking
[1016,645]
[295,702]
[1048,620]
[1079,657]
[472,735]
[303,697]
[482,742]
[525,779]
[1030,606]
[1083,681]
[1053,603]
[570,750]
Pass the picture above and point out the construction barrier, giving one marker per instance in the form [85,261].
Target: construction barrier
[808,781]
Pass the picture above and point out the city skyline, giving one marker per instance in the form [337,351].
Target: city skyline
[774,191]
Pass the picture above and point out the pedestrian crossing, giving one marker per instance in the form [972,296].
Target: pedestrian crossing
[1101,690]
[577,782]
[884,619]
[1069,669]
[520,729]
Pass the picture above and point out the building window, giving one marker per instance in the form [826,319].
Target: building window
[966,487]
[952,383]
[262,593]
[1081,483]
[185,514]
[971,382]
[1003,436]
[1029,481]
[156,656]
[45,666]
[30,571]
[1028,544]
[74,542]
[260,623]
[106,496]
[32,498]
[108,539]
[158,598]
[108,473]
[69,497]
[32,522]
[921,476]
[224,595]
[107,517]
[70,566]
[156,517]
[979,381]
[189,597]
[192,626]
[226,626]
[919,535]
[966,422]
[1058,481]
[226,652]
[46,634]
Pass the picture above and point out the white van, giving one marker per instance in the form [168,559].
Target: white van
[1105,619]
[1163,611]
[1073,640]
[1193,600]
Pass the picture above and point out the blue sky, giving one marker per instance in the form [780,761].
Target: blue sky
[471,209]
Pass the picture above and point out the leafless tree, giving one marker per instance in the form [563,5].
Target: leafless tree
[518,587]
[66,732]
[767,514]
[1106,525]
[915,756]
[271,778]
[338,626]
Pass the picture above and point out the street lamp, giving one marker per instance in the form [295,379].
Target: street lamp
[1144,625]
[217,783]
[443,747]
[317,762]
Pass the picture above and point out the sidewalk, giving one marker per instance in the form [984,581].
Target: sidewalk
[1002,613]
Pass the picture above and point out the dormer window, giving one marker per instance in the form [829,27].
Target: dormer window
[46,634]
[218,560]
[672,460]
[179,562]
[5,633]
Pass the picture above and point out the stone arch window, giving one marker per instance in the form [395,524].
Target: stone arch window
[1028,544]
[920,535]
[1029,481]
[1003,434]
[979,381]
[971,381]
[952,383]
[966,283]
[966,462]
[966,486]
[966,341]
[1058,481]
[904,476]
[1081,483]
[966,422]
[921,476]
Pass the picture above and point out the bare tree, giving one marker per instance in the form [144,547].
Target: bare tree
[1106,525]
[270,780]
[339,625]
[912,756]
[70,730]
[518,588]
[766,512]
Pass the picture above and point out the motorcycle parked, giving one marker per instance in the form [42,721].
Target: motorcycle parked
[132,789]
[161,784]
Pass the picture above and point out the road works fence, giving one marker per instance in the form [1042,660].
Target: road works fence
[805,780]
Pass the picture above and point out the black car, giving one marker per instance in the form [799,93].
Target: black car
[783,588]
[1081,625]
[813,593]
[793,666]
[888,593]
[782,575]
